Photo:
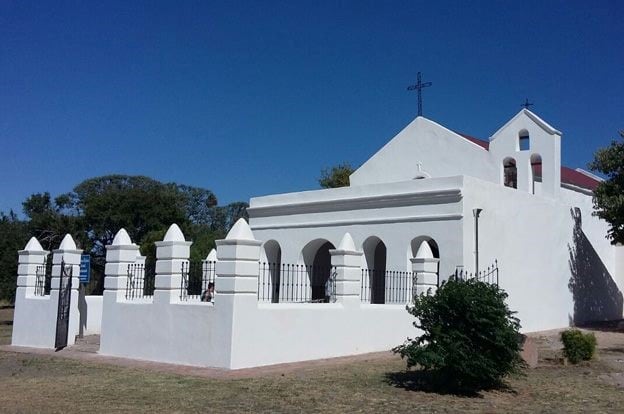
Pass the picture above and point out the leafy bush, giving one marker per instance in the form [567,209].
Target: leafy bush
[470,337]
[578,346]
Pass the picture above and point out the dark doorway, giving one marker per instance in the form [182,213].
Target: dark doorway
[378,282]
[321,269]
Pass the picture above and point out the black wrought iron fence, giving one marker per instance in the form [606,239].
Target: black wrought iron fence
[386,286]
[283,282]
[197,280]
[488,275]
[43,279]
[399,286]
[373,286]
[140,283]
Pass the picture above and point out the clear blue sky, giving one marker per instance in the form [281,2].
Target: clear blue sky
[254,98]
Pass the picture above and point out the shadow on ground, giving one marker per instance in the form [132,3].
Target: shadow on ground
[430,382]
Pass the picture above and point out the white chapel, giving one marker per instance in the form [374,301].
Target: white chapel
[427,184]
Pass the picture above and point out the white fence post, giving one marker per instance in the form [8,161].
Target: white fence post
[425,269]
[236,292]
[68,254]
[29,259]
[237,267]
[119,255]
[27,308]
[348,267]
[170,254]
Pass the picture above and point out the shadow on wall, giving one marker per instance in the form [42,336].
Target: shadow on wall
[82,310]
[595,294]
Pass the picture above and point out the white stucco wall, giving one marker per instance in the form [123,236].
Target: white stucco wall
[254,334]
[90,315]
[442,152]
[396,213]
[278,333]
[619,266]
[532,237]
[175,333]
[34,320]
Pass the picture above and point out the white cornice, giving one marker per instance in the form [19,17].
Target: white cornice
[358,203]
[350,222]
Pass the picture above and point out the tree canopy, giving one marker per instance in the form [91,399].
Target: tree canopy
[609,195]
[336,176]
[98,207]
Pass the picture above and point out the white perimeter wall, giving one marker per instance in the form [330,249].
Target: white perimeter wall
[177,333]
[90,308]
[532,237]
[276,333]
[34,320]
[252,334]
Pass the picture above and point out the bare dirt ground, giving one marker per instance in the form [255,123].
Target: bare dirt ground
[373,383]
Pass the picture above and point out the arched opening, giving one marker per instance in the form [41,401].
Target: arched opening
[375,254]
[417,241]
[536,172]
[524,142]
[272,255]
[510,173]
[424,247]
[317,259]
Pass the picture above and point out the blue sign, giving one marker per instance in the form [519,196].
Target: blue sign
[85,268]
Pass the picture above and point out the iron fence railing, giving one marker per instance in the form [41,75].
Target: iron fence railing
[373,286]
[282,282]
[399,286]
[390,286]
[197,282]
[140,283]
[43,279]
[489,275]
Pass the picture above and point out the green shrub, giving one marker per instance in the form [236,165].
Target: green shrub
[470,338]
[578,346]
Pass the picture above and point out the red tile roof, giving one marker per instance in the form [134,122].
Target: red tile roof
[568,175]
[479,142]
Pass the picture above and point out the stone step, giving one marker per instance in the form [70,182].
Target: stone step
[88,343]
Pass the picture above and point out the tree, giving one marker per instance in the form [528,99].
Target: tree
[13,237]
[470,338]
[336,176]
[49,220]
[98,207]
[609,195]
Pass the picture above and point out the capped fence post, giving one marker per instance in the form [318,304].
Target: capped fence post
[237,266]
[170,254]
[119,255]
[29,259]
[347,264]
[69,255]
[236,294]
[27,318]
[425,270]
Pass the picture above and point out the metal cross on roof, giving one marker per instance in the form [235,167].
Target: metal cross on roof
[526,104]
[418,87]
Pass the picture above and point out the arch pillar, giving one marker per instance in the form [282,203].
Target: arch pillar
[347,262]
[425,270]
